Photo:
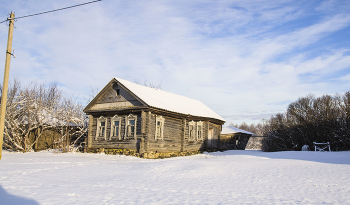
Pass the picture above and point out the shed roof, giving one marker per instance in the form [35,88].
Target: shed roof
[169,101]
[232,130]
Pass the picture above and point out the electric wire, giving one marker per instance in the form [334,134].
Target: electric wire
[50,11]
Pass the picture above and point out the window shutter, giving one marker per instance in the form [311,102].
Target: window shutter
[129,131]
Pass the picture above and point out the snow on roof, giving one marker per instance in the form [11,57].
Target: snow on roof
[231,130]
[170,101]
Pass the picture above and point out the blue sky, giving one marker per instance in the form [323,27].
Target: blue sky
[246,60]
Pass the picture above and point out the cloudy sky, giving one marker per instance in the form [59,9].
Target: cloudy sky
[246,60]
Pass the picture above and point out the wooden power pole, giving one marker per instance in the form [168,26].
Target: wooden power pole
[6,80]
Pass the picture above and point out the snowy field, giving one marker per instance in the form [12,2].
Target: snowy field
[231,177]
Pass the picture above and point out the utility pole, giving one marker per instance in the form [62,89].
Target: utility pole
[6,80]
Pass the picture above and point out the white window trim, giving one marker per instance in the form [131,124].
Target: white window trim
[192,138]
[130,117]
[115,118]
[159,119]
[99,120]
[199,138]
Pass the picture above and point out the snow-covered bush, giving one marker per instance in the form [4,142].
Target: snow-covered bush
[305,148]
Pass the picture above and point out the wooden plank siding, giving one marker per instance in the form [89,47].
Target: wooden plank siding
[110,99]
[90,131]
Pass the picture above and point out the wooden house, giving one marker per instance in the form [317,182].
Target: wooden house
[125,115]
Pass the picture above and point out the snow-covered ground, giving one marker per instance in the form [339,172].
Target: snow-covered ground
[231,177]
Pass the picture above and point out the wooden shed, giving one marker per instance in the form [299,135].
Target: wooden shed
[126,115]
[234,138]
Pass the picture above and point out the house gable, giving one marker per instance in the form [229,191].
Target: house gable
[114,96]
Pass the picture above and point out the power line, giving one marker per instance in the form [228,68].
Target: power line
[51,11]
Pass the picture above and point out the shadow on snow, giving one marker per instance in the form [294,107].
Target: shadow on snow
[322,157]
[6,198]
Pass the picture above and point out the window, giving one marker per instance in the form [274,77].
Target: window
[101,128]
[130,131]
[195,131]
[131,128]
[118,92]
[199,130]
[191,131]
[159,127]
[115,127]
[116,87]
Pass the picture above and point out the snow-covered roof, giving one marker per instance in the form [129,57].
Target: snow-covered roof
[169,101]
[231,130]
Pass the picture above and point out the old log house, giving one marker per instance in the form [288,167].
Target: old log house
[125,115]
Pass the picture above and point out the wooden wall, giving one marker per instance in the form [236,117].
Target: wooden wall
[203,144]
[236,141]
[228,141]
[171,141]
[110,99]
[114,142]
[175,134]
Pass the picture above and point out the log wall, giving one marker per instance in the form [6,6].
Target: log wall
[172,131]
[175,134]
[114,142]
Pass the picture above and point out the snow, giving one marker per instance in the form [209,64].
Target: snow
[170,101]
[230,177]
[231,130]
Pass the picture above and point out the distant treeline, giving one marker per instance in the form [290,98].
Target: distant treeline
[307,120]
[257,129]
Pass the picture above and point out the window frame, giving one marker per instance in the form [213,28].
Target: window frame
[114,119]
[98,127]
[127,125]
[191,135]
[199,138]
[160,119]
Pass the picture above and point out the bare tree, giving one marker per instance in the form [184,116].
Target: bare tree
[151,85]
[253,128]
[71,124]
[308,120]
[93,92]
[34,109]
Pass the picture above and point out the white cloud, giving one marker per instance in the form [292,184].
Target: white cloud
[243,59]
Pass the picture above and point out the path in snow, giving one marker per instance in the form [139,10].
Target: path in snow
[231,177]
